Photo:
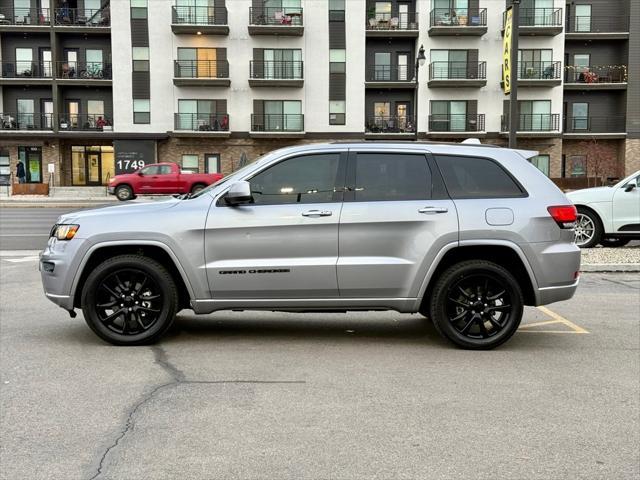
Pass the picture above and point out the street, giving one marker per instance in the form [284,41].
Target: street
[362,395]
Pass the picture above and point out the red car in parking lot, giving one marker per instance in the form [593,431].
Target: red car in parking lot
[159,179]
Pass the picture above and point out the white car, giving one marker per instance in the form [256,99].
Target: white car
[608,215]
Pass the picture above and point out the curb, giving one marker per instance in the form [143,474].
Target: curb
[610,267]
[51,205]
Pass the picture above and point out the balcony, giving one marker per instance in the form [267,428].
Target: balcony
[387,25]
[457,74]
[591,28]
[611,77]
[26,121]
[456,125]
[390,76]
[269,73]
[209,73]
[23,73]
[199,20]
[534,124]
[595,126]
[83,20]
[210,124]
[539,21]
[539,74]
[83,73]
[85,122]
[276,21]
[390,126]
[277,125]
[447,21]
[25,19]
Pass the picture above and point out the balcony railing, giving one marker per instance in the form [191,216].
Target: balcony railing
[85,17]
[83,70]
[534,122]
[539,70]
[391,124]
[24,16]
[202,122]
[387,21]
[201,69]
[456,123]
[449,17]
[539,17]
[26,121]
[390,73]
[600,24]
[202,15]
[22,69]
[596,74]
[287,16]
[276,70]
[457,70]
[289,122]
[88,122]
[595,124]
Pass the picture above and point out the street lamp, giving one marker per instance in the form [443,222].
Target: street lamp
[420,61]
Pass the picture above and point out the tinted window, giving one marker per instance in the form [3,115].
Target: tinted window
[471,177]
[165,169]
[151,170]
[392,177]
[306,179]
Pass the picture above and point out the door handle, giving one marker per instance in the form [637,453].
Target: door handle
[317,213]
[432,210]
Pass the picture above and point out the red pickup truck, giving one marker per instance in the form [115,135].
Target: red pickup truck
[159,179]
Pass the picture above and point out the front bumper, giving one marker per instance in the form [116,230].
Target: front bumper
[58,284]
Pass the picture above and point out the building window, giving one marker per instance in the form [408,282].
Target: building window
[5,169]
[284,115]
[541,162]
[535,115]
[140,57]
[578,166]
[141,111]
[200,63]
[212,163]
[202,115]
[190,163]
[448,116]
[139,9]
[583,18]
[336,4]
[579,116]
[31,158]
[337,112]
[337,60]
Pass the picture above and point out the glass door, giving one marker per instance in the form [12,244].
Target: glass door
[439,64]
[293,115]
[94,64]
[26,113]
[457,64]
[47,114]
[73,112]
[93,168]
[24,62]
[403,16]
[207,65]
[541,115]
[582,18]
[382,66]
[187,113]
[458,116]
[31,157]
[580,116]
[95,113]
[45,63]
[273,115]
[187,61]
[70,66]
[403,67]
[381,113]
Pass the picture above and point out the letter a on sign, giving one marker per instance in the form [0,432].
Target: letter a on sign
[506,53]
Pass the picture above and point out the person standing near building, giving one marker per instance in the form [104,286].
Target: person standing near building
[20,172]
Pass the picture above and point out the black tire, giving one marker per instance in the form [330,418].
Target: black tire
[130,300]
[614,242]
[124,193]
[486,320]
[197,187]
[588,228]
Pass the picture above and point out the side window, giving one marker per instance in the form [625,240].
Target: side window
[305,179]
[165,169]
[392,177]
[151,170]
[473,177]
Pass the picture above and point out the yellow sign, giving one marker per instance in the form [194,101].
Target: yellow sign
[506,52]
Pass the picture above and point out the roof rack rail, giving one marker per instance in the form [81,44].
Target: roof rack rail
[417,142]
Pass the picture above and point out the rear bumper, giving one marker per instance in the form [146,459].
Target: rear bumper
[556,267]
[549,295]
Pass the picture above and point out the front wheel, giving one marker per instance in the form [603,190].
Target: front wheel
[614,242]
[124,193]
[129,300]
[476,305]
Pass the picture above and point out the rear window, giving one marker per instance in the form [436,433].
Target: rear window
[474,177]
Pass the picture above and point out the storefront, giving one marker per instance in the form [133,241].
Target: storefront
[92,165]
[31,158]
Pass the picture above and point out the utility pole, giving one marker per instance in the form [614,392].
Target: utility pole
[514,119]
[420,60]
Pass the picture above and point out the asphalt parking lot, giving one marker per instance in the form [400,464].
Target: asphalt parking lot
[367,395]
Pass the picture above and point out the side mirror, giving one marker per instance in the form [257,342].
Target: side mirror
[239,194]
[629,186]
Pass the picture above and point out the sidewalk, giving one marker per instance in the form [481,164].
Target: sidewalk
[43,201]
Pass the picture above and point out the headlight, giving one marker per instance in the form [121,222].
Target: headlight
[64,232]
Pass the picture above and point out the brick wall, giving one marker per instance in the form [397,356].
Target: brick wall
[50,154]
[605,158]
[632,156]
[544,146]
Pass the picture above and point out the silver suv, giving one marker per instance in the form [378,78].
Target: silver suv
[463,234]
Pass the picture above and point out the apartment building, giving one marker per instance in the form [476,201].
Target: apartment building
[92,88]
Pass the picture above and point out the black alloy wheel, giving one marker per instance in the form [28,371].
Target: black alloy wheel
[129,300]
[477,304]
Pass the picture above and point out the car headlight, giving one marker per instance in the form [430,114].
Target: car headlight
[64,232]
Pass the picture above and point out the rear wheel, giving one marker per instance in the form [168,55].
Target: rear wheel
[588,230]
[476,304]
[614,242]
[129,300]
[124,193]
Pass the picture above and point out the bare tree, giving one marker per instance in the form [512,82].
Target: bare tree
[596,153]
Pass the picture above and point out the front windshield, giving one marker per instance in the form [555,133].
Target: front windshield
[235,174]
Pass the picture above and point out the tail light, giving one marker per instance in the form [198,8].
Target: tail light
[564,215]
